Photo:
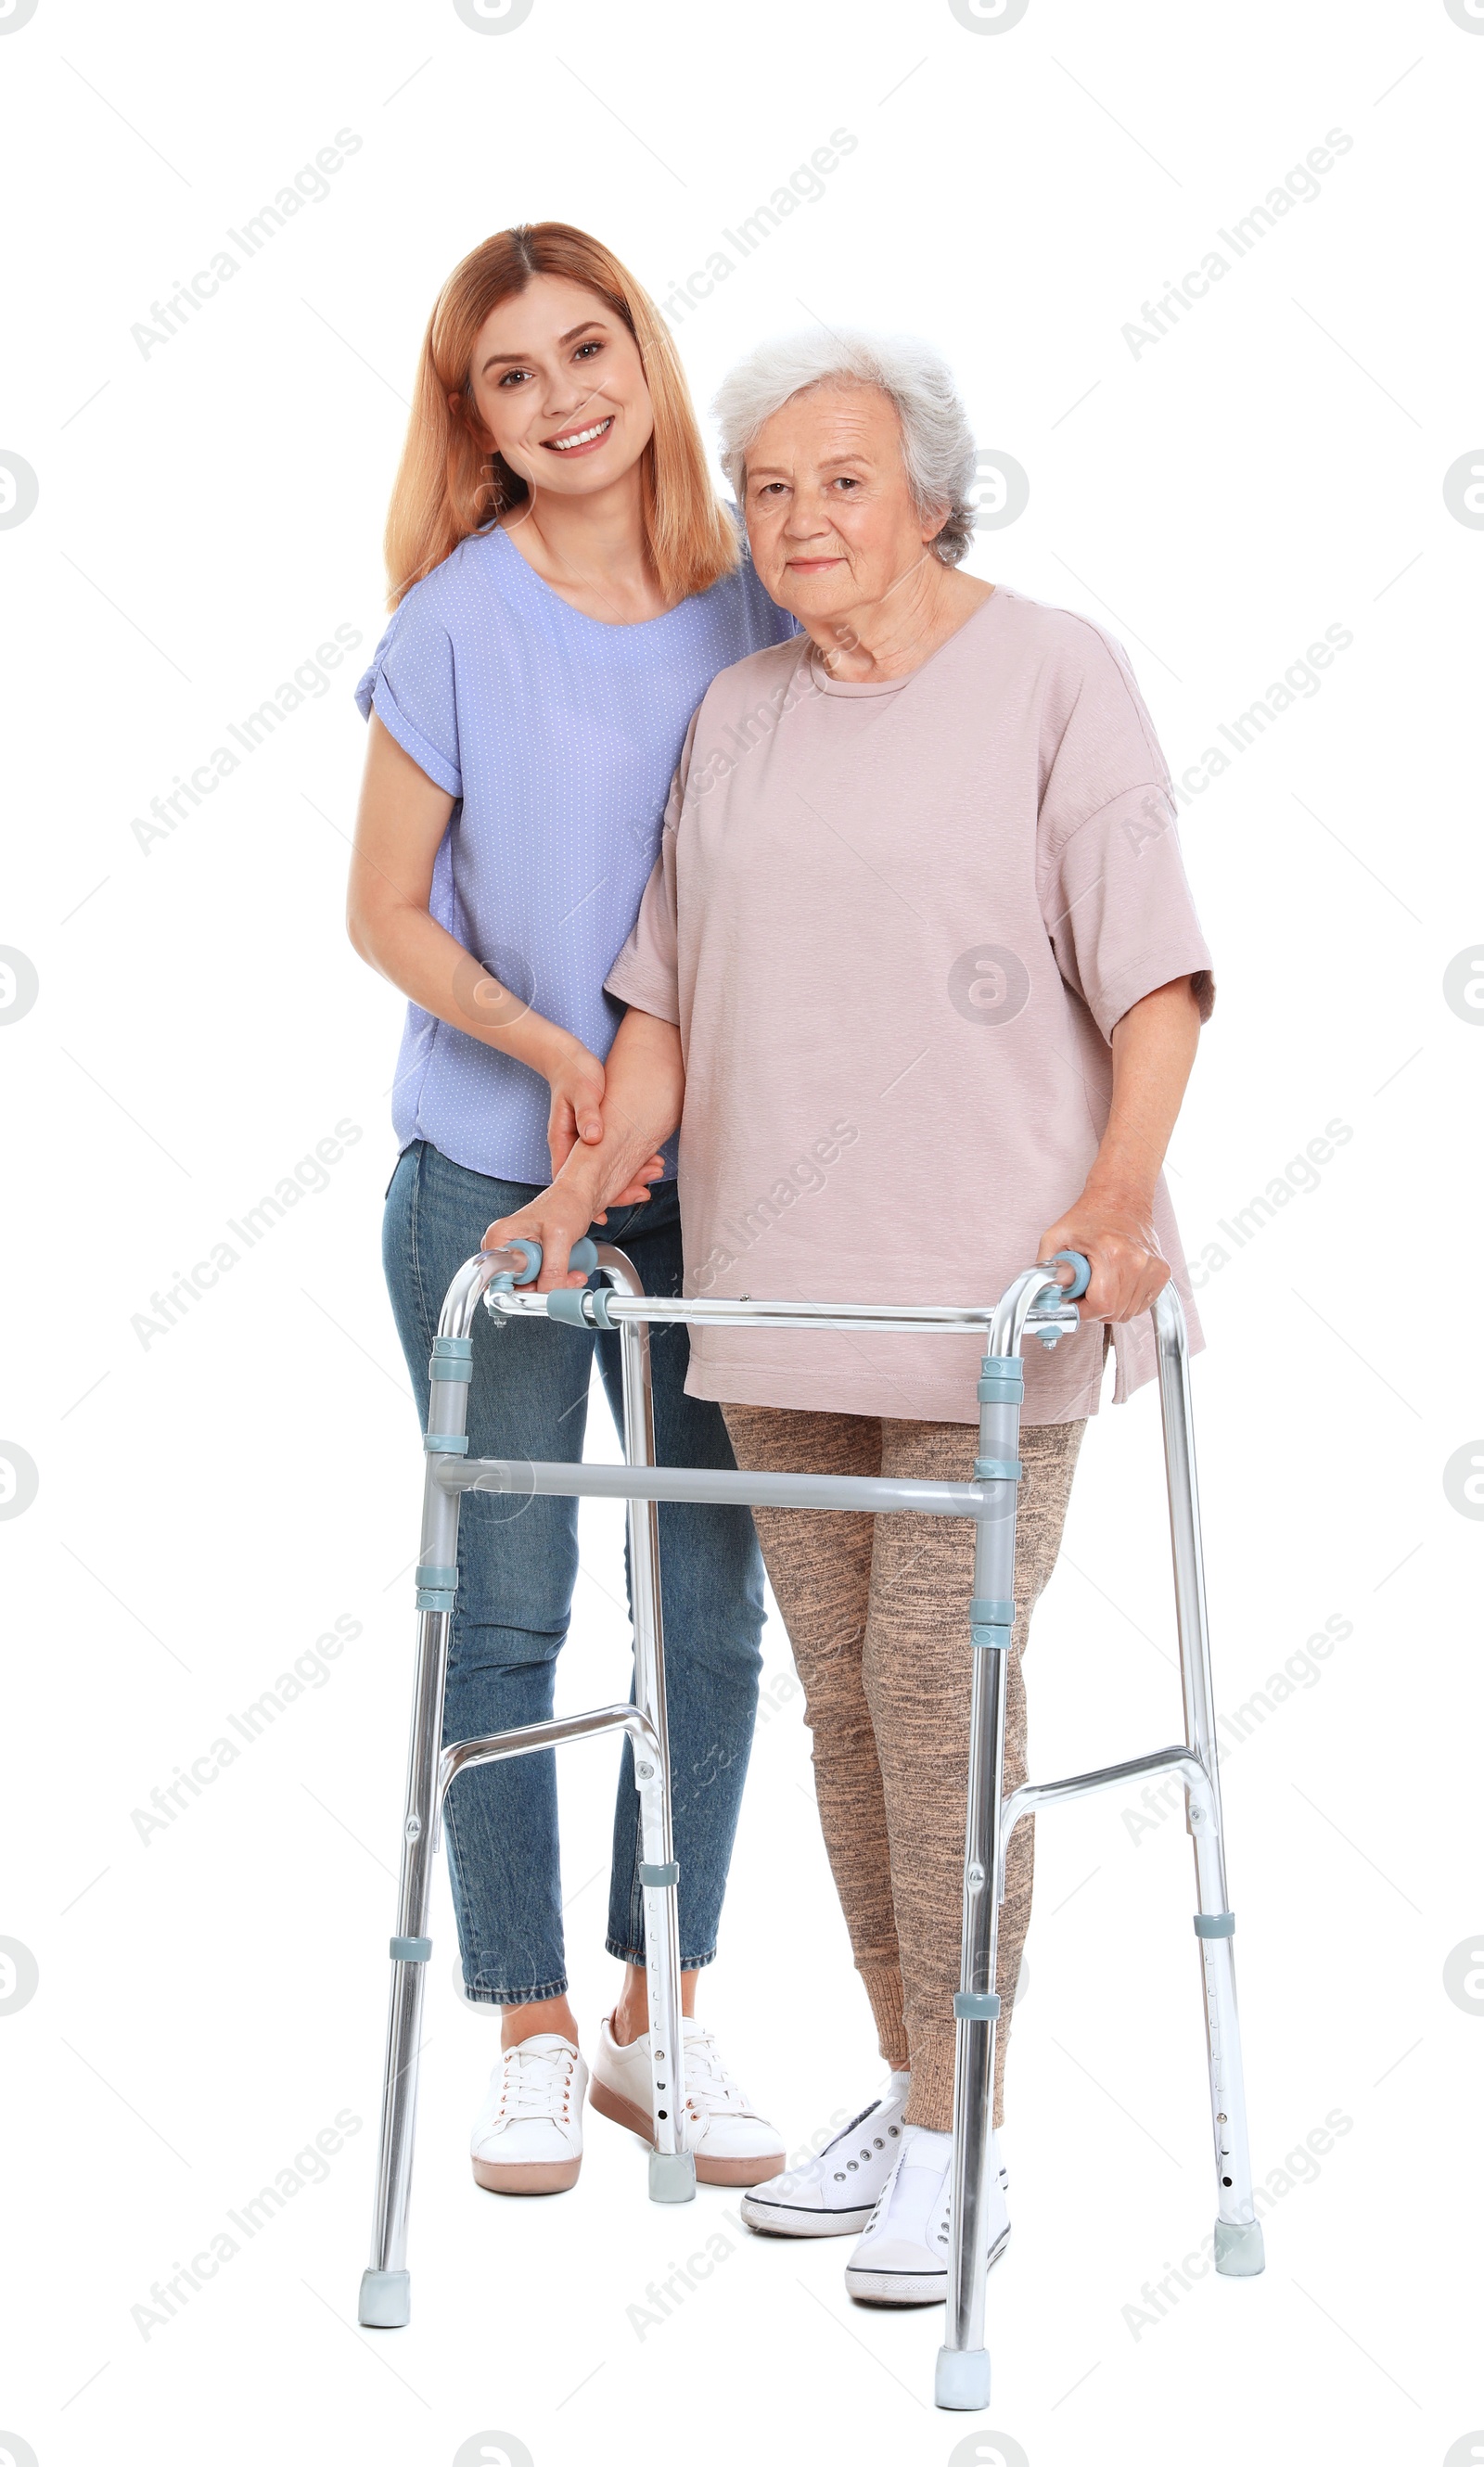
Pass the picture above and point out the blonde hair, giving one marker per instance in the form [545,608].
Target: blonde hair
[451,485]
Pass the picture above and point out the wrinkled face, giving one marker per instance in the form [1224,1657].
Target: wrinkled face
[559,386]
[830,515]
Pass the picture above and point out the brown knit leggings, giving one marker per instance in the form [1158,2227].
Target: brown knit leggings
[876,1610]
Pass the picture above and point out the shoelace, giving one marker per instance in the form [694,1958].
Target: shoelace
[709,2088]
[534,2082]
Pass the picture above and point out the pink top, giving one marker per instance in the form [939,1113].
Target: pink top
[896,925]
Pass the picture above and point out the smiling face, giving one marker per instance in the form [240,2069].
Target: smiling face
[558,387]
[830,514]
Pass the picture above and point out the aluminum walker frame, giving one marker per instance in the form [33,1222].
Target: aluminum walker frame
[1034,1305]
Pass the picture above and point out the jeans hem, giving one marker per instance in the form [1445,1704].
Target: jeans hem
[539,1995]
[635,1953]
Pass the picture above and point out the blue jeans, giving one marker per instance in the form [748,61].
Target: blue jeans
[517,1566]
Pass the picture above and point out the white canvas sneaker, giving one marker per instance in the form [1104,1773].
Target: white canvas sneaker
[835,2193]
[903,2257]
[528,2135]
[733,2144]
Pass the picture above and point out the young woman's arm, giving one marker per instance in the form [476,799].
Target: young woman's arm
[641,1106]
[398,831]
[1113,1221]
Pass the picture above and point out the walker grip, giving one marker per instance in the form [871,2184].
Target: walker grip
[583,1260]
[1083,1278]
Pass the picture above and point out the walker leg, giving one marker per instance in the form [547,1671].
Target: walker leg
[1238,2234]
[962,2379]
[671,2166]
[385,2291]
[385,2297]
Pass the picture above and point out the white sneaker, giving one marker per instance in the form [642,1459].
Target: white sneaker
[903,2257]
[528,2135]
[733,2144]
[835,2193]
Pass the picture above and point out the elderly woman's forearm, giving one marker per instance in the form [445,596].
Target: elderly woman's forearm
[1153,1049]
[644,1094]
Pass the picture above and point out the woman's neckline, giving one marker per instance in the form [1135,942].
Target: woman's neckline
[827,684]
[549,591]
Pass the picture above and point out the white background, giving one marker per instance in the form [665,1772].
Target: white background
[212,1501]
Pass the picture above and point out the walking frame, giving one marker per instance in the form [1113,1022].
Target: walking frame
[1034,1305]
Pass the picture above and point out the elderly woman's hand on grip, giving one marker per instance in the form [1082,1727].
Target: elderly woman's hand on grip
[1117,1234]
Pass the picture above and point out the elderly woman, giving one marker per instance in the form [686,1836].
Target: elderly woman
[919,976]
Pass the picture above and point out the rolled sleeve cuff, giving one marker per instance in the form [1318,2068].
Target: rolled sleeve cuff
[1146,974]
[642,989]
[442,773]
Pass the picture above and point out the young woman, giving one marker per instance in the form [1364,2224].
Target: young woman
[566,584]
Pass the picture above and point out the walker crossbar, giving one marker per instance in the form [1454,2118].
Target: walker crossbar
[535,1735]
[1033,1795]
[862,1493]
[1035,1304]
[898,1319]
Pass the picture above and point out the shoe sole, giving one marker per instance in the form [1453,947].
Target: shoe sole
[906,2287]
[530,2176]
[776,2218]
[708,2171]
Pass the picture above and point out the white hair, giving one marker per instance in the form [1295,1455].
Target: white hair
[937,447]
